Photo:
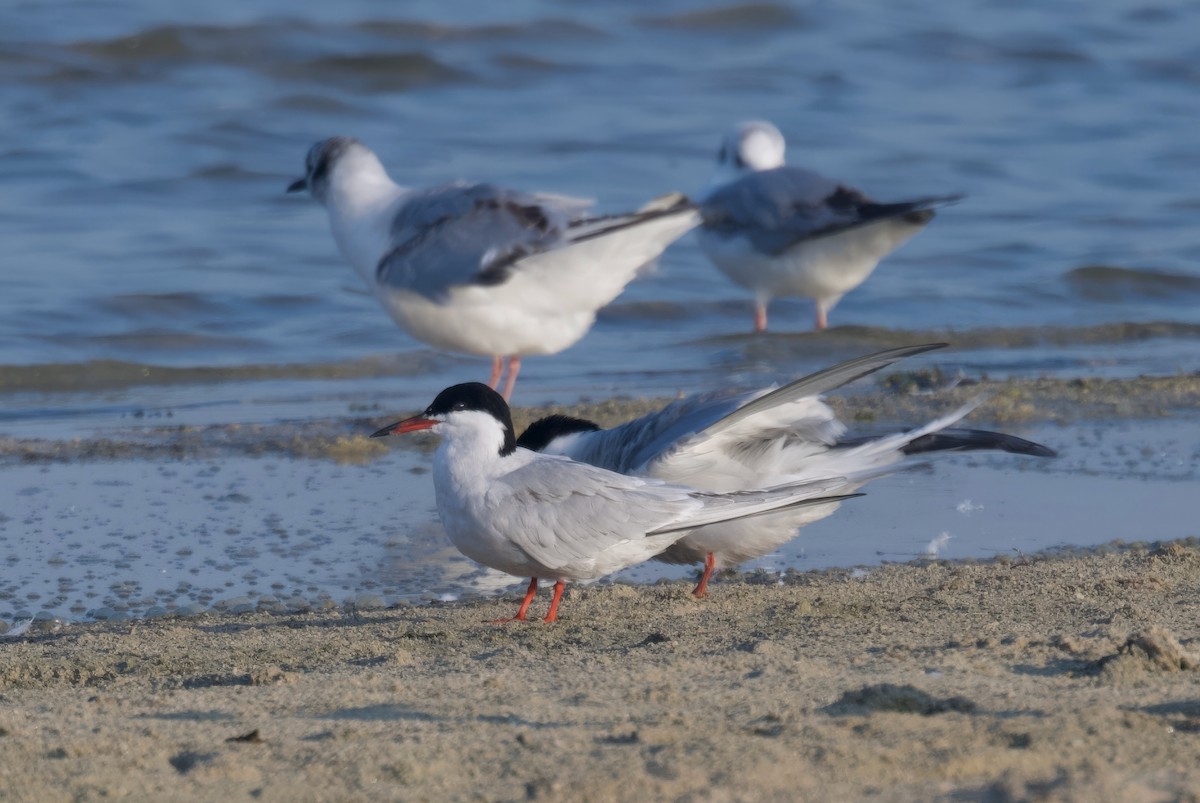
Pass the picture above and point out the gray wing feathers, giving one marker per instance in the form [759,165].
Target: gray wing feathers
[468,233]
[821,382]
[776,209]
[594,508]
[773,207]
[630,447]
[634,446]
[743,504]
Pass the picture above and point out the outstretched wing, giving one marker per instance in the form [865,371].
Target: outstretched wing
[766,433]
[637,443]
[822,381]
[723,439]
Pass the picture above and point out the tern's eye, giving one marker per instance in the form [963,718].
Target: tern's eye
[460,406]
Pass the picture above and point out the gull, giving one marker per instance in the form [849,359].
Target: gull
[542,516]
[480,269]
[725,442]
[779,230]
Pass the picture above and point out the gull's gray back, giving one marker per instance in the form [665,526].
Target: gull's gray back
[461,234]
[776,208]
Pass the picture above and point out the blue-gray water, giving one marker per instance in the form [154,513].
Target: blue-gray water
[145,147]
[105,539]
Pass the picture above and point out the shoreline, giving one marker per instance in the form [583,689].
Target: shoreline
[1072,677]
[900,398]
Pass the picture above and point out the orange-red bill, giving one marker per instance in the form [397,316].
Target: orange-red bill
[414,424]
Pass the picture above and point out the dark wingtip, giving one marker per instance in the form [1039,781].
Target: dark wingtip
[967,440]
[1038,450]
[298,185]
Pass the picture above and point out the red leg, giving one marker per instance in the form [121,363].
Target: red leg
[760,316]
[701,590]
[514,368]
[529,595]
[822,319]
[559,587]
[497,369]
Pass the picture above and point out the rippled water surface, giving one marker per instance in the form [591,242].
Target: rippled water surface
[144,149]
[153,265]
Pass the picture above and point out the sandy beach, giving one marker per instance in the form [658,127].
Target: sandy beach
[1057,678]
[216,586]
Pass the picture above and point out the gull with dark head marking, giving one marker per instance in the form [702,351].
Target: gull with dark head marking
[480,269]
[542,516]
[728,441]
[783,231]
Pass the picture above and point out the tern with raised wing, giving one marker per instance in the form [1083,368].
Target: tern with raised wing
[728,441]
[549,517]
[779,230]
[480,269]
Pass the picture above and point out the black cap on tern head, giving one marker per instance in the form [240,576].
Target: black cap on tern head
[317,164]
[478,397]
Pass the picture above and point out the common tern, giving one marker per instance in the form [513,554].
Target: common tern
[544,516]
[481,269]
[726,442]
[779,230]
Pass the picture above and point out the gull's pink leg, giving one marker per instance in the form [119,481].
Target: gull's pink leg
[822,319]
[701,590]
[529,594]
[760,316]
[559,587]
[497,369]
[514,368]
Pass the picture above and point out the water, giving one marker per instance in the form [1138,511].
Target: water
[155,267]
[144,152]
[118,539]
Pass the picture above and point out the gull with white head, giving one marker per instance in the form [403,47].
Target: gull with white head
[783,231]
[480,269]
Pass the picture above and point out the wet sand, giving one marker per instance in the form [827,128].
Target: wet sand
[1063,678]
[900,398]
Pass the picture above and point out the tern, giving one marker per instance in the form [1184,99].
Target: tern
[779,230]
[480,269]
[549,517]
[725,442]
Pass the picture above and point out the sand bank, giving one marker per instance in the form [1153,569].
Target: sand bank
[1063,677]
